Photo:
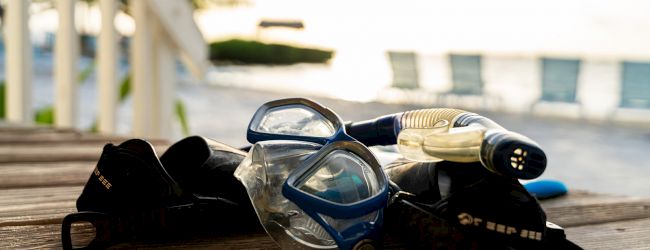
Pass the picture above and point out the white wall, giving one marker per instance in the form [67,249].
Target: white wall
[513,84]
[515,81]
[435,72]
[599,88]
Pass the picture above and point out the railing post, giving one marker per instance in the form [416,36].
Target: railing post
[65,74]
[142,63]
[164,29]
[107,65]
[164,83]
[19,63]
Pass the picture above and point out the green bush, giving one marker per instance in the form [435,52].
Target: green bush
[44,115]
[251,52]
[2,99]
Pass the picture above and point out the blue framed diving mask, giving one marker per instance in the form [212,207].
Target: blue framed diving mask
[312,185]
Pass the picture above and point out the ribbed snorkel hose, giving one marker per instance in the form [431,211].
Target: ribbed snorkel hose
[428,118]
[501,151]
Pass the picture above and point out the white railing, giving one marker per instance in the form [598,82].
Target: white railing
[164,31]
[18,63]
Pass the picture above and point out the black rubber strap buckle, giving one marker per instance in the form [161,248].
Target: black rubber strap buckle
[100,221]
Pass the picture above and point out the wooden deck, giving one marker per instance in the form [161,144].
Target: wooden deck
[43,170]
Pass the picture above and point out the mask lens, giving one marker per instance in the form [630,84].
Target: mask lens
[295,120]
[342,177]
[263,172]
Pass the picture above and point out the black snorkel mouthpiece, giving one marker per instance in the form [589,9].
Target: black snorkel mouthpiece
[505,152]
[512,154]
[501,151]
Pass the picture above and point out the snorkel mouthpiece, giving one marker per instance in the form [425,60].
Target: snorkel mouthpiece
[506,152]
[432,135]
[512,154]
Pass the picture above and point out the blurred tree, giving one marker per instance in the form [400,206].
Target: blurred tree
[253,52]
[2,99]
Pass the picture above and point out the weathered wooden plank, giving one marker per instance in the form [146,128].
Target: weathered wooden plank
[24,175]
[51,214]
[40,153]
[49,236]
[20,202]
[583,208]
[58,138]
[246,241]
[23,196]
[52,153]
[35,130]
[43,236]
[31,206]
[38,212]
[71,137]
[31,237]
[10,126]
[34,205]
[20,134]
[10,131]
[631,234]
[580,197]
[571,216]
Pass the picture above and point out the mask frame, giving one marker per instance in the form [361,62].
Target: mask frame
[315,206]
[253,135]
[359,233]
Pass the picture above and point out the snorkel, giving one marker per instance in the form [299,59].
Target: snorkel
[306,199]
[431,135]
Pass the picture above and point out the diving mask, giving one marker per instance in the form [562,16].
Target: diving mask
[312,185]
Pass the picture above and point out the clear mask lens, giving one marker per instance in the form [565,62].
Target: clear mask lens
[342,177]
[336,175]
[294,120]
[263,173]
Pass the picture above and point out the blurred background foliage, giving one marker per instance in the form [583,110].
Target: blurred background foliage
[253,52]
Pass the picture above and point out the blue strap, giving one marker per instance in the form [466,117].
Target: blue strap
[544,189]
